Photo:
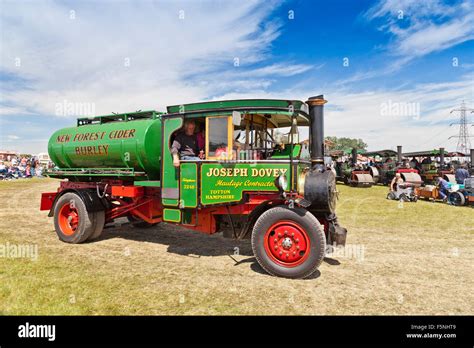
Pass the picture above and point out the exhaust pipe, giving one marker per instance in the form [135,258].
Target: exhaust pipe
[399,154]
[316,115]
[354,156]
[472,159]
[320,184]
[441,157]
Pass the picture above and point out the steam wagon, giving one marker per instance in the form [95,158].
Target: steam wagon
[354,174]
[245,183]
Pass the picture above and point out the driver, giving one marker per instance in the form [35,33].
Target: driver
[185,145]
[396,181]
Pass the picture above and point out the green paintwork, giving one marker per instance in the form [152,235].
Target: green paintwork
[148,183]
[243,103]
[139,156]
[139,149]
[94,172]
[225,188]
[170,180]
[171,215]
[130,116]
[188,185]
[285,153]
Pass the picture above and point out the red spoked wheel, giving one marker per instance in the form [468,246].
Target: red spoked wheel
[73,223]
[68,219]
[288,242]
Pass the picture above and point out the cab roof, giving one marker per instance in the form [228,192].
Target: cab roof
[276,111]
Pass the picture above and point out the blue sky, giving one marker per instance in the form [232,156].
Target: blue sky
[63,59]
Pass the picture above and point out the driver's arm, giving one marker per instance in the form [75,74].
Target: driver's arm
[175,147]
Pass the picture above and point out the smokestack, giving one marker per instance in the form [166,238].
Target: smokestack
[354,155]
[472,158]
[399,153]
[441,156]
[316,115]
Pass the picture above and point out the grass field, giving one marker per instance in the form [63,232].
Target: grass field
[415,258]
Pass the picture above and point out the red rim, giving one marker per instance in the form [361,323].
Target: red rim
[68,219]
[287,243]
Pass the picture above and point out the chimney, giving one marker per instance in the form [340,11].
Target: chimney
[316,115]
[399,154]
[441,157]
[354,155]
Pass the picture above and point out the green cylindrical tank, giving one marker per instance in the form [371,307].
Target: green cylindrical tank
[125,144]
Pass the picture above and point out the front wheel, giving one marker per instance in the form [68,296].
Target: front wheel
[457,198]
[288,242]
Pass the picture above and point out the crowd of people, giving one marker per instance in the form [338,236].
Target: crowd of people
[21,167]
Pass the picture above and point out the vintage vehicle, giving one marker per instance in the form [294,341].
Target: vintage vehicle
[384,162]
[428,192]
[431,193]
[404,192]
[353,173]
[247,185]
[429,169]
[464,194]
[392,164]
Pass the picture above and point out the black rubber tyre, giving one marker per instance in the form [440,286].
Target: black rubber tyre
[135,222]
[99,225]
[457,198]
[403,197]
[391,195]
[313,230]
[86,223]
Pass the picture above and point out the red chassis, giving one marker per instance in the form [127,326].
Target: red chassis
[121,199]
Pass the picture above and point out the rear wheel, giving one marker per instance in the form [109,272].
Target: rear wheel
[72,222]
[391,195]
[404,198]
[457,198]
[99,225]
[288,242]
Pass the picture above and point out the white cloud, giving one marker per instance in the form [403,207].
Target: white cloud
[359,114]
[423,27]
[124,56]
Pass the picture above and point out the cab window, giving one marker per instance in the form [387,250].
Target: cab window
[218,137]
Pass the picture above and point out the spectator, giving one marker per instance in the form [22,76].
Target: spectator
[461,174]
[39,170]
[443,189]
[414,163]
[397,180]
[28,171]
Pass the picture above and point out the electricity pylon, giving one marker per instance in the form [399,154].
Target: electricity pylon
[464,141]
